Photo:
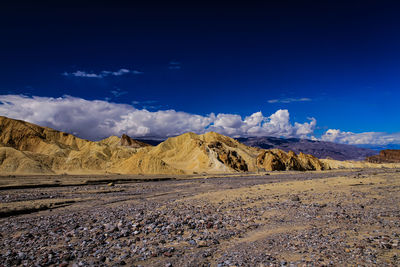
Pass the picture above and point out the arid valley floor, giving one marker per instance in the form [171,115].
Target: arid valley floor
[342,217]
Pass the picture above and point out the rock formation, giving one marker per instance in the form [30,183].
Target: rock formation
[127,141]
[386,156]
[36,149]
[278,160]
[210,153]
[29,148]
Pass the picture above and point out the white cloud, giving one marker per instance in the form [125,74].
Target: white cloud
[289,100]
[370,138]
[102,74]
[95,119]
[120,72]
[83,74]
[148,105]
[278,124]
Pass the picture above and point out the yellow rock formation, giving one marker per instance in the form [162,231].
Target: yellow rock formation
[14,161]
[278,160]
[210,153]
[29,148]
[44,150]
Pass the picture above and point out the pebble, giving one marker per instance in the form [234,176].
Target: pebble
[168,232]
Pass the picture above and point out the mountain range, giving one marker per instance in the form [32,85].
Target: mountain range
[319,149]
[29,148]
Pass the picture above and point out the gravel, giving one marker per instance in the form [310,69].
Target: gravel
[160,224]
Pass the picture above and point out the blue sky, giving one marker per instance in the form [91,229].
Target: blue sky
[335,61]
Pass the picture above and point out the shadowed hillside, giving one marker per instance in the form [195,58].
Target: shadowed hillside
[319,149]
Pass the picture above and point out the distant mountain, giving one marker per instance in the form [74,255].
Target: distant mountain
[319,149]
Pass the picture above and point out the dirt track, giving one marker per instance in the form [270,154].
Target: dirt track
[316,218]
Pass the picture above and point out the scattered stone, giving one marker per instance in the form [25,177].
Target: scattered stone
[295,198]
[202,244]
[157,228]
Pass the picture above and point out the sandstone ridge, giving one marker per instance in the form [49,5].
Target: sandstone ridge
[279,160]
[27,148]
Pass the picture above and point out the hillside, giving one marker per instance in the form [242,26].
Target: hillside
[36,149]
[29,148]
[319,149]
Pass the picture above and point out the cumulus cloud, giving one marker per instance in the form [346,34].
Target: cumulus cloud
[102,74]
[289,100]
[96,119]
[370,138]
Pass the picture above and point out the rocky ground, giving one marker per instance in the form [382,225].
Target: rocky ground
[349,217]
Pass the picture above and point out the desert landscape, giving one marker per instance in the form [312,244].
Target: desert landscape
[26,148]
[343,217]
[199,134]
[192,200]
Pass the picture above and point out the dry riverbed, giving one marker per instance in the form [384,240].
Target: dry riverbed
[347,217]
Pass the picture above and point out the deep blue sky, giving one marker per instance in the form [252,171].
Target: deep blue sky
[343,55]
